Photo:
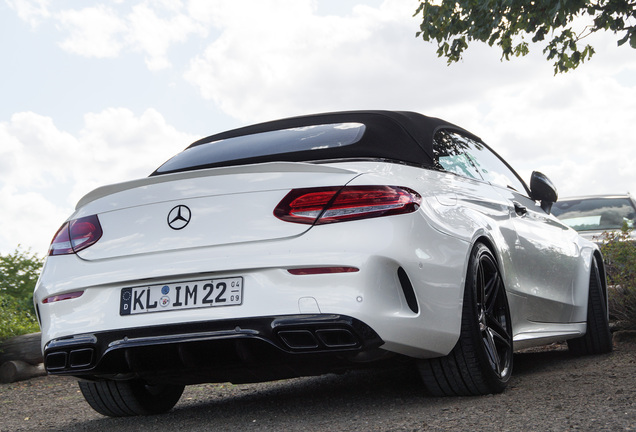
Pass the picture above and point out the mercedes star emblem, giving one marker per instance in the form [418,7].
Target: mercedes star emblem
[179,217]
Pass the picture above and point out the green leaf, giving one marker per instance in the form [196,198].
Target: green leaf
[453,24]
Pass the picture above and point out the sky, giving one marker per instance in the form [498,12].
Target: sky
[94,93]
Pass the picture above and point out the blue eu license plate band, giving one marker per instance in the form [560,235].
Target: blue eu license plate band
[181,295]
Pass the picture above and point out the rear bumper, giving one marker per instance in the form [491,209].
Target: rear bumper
[408,288]
[235,350]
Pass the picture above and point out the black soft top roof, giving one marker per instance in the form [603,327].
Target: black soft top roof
[393,135]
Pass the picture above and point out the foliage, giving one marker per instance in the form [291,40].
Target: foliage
[13,320]
[619,251]
[18,274]
[455,23]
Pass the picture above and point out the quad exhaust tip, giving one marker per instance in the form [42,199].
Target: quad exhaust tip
[73,359]
[303,339]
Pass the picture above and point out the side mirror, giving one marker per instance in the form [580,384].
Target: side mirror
[542,189]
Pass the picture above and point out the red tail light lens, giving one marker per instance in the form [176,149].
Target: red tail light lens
[61,243]
[76,235]
[59,297]
[305,205]
[338,204]
[322,270]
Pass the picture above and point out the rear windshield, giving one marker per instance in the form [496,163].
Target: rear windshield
[300,139]
[592,214]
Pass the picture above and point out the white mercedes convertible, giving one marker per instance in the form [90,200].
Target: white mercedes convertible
[311,245]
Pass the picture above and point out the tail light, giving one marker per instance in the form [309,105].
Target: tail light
[76,235]
[322,270]
[338,204]
[60,297]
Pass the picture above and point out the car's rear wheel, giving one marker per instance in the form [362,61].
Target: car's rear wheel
[598,338]
[129,398]
[481,362]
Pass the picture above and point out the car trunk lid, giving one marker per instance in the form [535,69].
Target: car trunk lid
[205,208]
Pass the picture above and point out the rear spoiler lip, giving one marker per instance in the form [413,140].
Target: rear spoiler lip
[267,167]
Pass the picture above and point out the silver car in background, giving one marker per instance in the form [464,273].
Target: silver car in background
[593,215]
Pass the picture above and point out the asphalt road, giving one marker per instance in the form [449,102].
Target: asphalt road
[550,391]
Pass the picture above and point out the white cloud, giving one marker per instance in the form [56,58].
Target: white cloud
[243,16]
[29,219]
[31,11]
[106,30]
[92,32]
[296,61]
[121,146]
[302,62]
[36,145]
[154,35]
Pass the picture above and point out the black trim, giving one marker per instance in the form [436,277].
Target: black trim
[407,289]
[237,350]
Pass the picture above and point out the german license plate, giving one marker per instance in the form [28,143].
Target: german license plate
[182,295]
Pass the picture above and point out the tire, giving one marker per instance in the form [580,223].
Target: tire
[597,338]
[481,361]
[129,398]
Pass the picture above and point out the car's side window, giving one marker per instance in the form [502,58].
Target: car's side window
[493,169]
[468,157]
[450,155]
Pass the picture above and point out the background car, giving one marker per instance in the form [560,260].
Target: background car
[311,245]
[593,215]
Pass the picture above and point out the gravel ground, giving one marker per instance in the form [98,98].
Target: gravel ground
[550,391]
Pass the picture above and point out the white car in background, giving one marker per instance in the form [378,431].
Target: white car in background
[310,245]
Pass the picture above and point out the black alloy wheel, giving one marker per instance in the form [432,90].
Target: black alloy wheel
[481,362]
[493,316]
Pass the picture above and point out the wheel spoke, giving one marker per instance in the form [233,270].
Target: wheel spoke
[481,289]
[492,292]
[491,351]
[498,330]
[492,316]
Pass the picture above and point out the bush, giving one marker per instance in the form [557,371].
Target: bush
[619,252]
[13,320]
[18,274]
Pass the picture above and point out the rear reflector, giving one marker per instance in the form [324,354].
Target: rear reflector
[338,204]
[322,270]
[59,297]
[76,235]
